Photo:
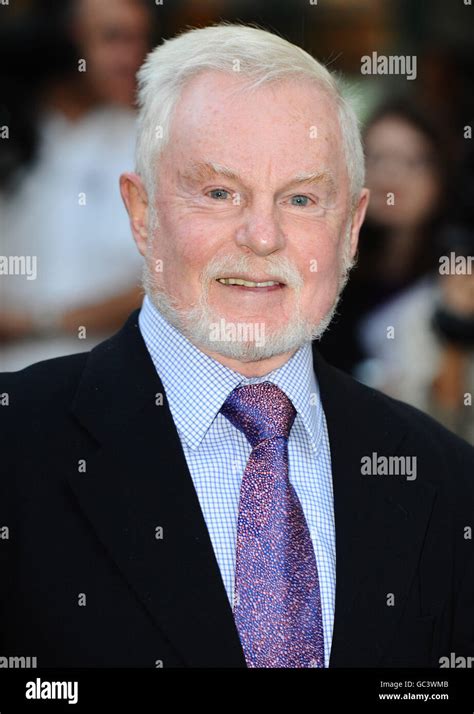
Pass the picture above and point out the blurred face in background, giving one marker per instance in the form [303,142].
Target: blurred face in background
[400,159]
[458,293]
[113,37]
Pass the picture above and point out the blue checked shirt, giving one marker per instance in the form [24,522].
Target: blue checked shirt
[216,452]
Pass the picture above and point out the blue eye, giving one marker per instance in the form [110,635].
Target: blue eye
[300,200]
[220,194]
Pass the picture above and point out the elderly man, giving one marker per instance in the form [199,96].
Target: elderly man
[203,489]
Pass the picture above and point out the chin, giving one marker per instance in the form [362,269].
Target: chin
[244,339]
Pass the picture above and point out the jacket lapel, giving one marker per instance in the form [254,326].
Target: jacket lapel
[380,520]
[139,497]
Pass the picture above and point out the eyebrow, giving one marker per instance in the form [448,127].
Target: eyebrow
[209,169]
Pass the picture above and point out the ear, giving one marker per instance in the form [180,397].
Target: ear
[135,199]
[358,219]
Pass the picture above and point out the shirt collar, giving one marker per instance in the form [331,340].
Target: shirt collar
[197,385]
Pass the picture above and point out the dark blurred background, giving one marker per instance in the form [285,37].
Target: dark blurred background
[67,123]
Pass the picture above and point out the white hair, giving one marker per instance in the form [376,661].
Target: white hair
[260,57]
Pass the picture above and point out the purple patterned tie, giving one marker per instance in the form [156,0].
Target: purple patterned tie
[277,604]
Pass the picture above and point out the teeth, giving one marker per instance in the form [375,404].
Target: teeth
[247,283]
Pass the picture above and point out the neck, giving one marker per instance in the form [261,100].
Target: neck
[401,246]
[71,99]
[402,234]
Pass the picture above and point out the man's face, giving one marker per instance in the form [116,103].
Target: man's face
[252,186]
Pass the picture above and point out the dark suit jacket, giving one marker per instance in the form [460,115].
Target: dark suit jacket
[92,466]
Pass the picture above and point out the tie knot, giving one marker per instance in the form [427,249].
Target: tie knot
[261,411]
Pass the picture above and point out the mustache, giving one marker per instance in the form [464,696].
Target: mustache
[277,268]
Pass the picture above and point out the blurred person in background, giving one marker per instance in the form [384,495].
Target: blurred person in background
[64,209]
[429,359]
[407,172]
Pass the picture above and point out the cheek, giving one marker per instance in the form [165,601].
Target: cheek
[423,198]
[320,262]
[321,276]
[185,249]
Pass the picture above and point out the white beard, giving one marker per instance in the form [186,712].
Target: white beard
[196,323]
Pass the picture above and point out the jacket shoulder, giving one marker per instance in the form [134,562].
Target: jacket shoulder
[421,425]
[50,379]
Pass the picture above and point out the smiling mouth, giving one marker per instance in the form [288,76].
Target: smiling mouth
[251,284]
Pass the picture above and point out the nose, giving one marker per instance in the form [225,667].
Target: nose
[261,230]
